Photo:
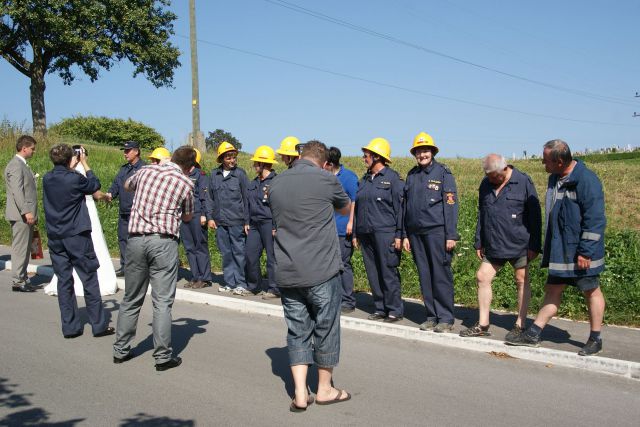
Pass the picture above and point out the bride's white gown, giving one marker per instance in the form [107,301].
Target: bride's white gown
[106,272]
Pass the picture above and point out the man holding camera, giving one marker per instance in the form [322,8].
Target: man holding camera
[70,244]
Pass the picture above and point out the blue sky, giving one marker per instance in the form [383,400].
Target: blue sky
[381,80]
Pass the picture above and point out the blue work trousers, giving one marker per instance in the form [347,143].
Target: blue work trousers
[195,239]
[346,276]
[433,263]
[260,238]
[231,242]
[123,236]
[381,262]
[312,315]
[77,252]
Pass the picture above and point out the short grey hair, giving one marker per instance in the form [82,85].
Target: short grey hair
[493,163]
[559,151]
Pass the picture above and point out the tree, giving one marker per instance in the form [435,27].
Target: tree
[60,36]
[218,136]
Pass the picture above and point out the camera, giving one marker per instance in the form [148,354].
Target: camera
[77,150]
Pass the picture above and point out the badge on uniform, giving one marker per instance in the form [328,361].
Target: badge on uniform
[433,186]
[451,199]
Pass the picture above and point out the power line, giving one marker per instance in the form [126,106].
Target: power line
[404,89]
[374,33]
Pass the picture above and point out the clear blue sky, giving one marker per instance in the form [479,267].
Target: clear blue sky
[588,47]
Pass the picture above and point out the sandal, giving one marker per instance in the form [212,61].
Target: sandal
[337,399]
[295,408]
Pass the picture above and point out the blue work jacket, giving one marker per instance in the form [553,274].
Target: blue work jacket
[259,208]
[510,223]
[575,225]
[228,200]
[431,200]
[65,208]
[379,203]
[117,187]
[199,179]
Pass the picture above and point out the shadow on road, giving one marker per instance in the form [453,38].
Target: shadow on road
[280,367]
[146,420]
[29,416]
[182,330]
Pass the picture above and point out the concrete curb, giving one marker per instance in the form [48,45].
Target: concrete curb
[623,368]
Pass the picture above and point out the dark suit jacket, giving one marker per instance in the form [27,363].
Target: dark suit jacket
[21,190]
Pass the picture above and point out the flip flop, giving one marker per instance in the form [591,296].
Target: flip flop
[295,408]
[337,398]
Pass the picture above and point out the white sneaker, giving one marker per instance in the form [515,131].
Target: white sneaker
[241,291]
[225,289]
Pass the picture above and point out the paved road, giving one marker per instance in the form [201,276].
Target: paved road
[235,373]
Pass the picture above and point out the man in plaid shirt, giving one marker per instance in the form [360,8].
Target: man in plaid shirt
[163,199]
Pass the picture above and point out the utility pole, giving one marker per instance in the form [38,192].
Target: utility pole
[196,137]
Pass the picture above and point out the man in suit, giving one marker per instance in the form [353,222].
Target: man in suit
[70,246]
[21,210]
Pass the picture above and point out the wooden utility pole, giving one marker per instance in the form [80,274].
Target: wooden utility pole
[197,137]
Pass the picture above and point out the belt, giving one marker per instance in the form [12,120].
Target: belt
[161,235]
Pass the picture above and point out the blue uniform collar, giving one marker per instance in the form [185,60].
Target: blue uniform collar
[232,172]
[270,176]
[429,168]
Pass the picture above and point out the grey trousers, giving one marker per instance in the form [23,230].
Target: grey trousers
[151,259]
[22,233]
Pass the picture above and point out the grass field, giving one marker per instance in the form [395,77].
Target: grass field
[621,179]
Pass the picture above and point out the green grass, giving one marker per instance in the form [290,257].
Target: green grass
[620,175]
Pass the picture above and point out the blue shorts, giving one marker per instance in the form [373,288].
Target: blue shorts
[585,283]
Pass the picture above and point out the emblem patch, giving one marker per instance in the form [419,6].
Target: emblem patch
[451,199]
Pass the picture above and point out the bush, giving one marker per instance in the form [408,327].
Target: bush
[104,130]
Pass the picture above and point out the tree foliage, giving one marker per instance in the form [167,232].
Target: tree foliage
[61,36]
[218,136]
[109,131]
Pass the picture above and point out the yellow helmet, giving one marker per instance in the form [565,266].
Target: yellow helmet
[224,147]
[264,154]
[288,146]
[381,147]
[423,139]
[160,153]
[198,157]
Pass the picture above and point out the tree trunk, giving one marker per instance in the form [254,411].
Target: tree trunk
[37,88]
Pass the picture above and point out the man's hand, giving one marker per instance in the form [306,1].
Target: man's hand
[397,244]
[450,245]
[349,228]
[583,262]
[355,243]
[212,224]
[531,255]
[406,244]
[246,229]
[203,221]
[273,232]
[29,218]
[108,197]
[480,253]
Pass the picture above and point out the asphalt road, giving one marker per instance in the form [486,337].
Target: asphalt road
[235,372]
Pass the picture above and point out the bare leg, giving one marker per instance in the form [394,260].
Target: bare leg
[521,276]
[299,373]
[552,298]
[325,390]
[596,304]
[484,277]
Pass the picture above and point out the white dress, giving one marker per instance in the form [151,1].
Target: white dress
[106,272]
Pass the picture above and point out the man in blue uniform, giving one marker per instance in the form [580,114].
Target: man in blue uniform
[344,226]
[508,230]
[70,245]
[378,214]
[261,225]
[574,243]
[228,214]
[194,234]
[430,221]
[134,163]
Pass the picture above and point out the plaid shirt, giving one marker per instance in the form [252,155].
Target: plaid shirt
[162,194]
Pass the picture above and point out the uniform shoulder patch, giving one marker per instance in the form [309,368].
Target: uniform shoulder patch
[451,198]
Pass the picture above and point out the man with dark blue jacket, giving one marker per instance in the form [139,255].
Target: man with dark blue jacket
[508,230]
[70,244]
[131,151]
[574,242]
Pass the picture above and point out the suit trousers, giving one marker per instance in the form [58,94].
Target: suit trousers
[151,259]
[77,252]
[22,233]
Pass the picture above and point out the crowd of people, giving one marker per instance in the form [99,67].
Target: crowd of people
[309,219]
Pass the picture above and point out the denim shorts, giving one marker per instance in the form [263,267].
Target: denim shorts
[312,315]
[585,283]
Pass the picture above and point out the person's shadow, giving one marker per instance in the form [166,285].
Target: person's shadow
[280,367]
[182,330]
